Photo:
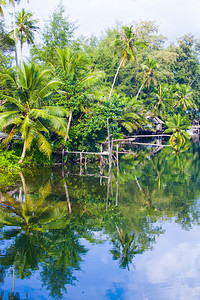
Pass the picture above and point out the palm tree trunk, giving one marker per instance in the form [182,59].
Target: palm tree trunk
[21,53]
[68,125]
[110,94]
[67,196]
[139,91]
[23,184]
[15,36]
[23,153]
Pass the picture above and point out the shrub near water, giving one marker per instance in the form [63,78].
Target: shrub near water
[9,168]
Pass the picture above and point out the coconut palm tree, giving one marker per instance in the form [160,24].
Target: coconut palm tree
[126,45]
[25,110]
[183,96]
[126,247]
[177,125]
[25,28]
[159,103]
[14,26]
[149,77]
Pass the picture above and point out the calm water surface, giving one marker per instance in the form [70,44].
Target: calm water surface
[66,234]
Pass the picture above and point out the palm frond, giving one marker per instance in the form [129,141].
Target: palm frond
[52,85]
[8,118]
[14,101]
[58,111]
[44,145]
[92,78]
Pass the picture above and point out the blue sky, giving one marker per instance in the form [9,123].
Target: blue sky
[174,17]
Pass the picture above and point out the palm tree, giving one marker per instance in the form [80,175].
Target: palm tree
[159,102]
[177,125]
[183,96]
[33,211]
[134,117]
[25,28]
[148,67]
[127,45]
[24,110]
[14,27]
[126,246]
[75,66]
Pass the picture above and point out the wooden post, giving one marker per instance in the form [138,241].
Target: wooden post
[110,154]
[108,135]
[101,165]
[117,184]
[63,153]
[81,158]
[108,191]
[85,163]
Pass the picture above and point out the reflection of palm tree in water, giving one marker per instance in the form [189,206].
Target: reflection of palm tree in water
[43,235]
[125,248]
[147,196]
[31,211]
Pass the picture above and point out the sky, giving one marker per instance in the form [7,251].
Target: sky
[174,17]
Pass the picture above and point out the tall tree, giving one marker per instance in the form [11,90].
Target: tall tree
[183,97]
[14,26]
[148,67]
[58,31]
[127,45]
[160,101]
[25,29]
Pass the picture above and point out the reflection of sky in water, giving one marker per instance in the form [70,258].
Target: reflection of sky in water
[170,271]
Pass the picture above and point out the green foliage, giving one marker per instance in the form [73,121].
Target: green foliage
[177,125]
[134,116]
[163,80]
[9,168]
[58,31]
[25,110]
[92,129]
[8,161]
[186,67]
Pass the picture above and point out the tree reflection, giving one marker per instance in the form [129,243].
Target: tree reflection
[42,236]
[126,246]
[11,296]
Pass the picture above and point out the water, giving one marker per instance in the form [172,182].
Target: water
[66,236]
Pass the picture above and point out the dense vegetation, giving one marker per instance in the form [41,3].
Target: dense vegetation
[64,93]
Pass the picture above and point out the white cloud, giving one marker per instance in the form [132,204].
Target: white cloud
[174,264]
[172,268]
